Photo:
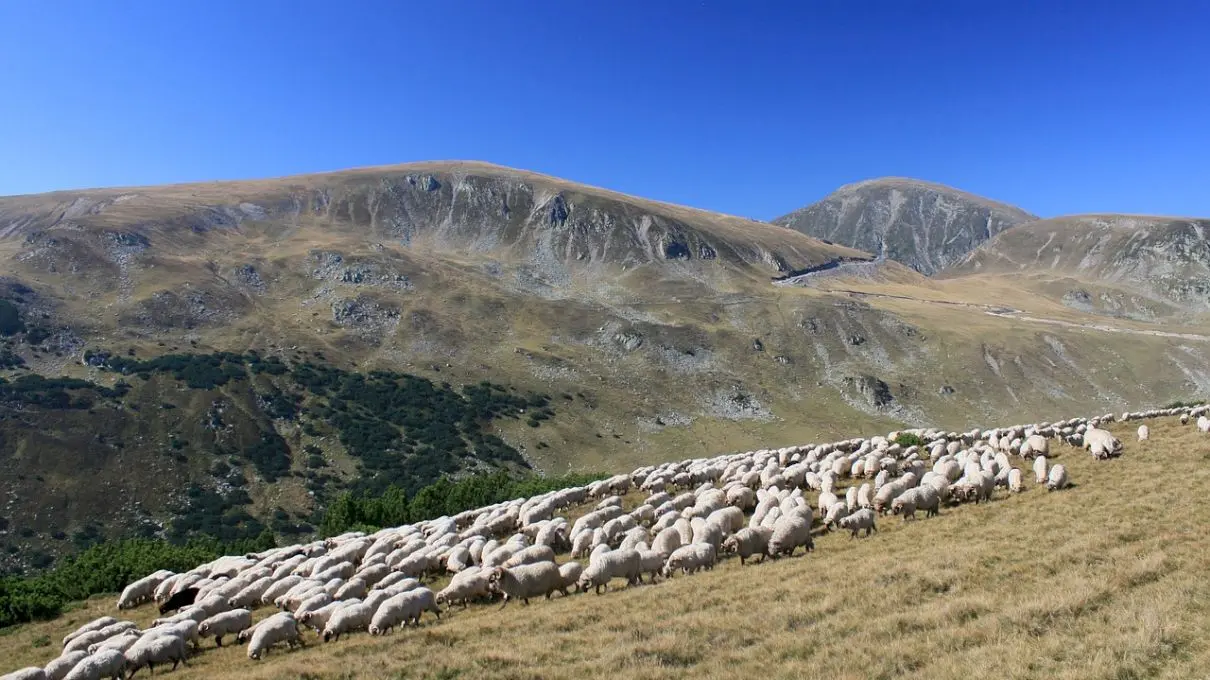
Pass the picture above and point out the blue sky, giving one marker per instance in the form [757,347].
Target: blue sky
[752,108]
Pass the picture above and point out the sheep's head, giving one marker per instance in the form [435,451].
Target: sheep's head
[731,544]
[203,628]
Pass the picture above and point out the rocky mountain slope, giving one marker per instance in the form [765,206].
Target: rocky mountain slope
[235,353]
[923,225]
[1118,265]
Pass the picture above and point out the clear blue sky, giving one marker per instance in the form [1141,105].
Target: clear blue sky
[753,108]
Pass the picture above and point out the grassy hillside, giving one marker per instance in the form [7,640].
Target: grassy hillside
[1100,580]
[655,332]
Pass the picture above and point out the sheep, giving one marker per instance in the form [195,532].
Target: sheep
[690,558]
[789,532]
[94,625]
[465,586]
[666,541]
[402,609]
[569,576]
[159,649]
[108,663]
[280,627]
[121,642]
[225,623]
[60,667]
[1057,479]
[905,504]
[1040,470]
[141,590]
[186,629]
[30,673]
[613,564]
[530,555]
[1014,481]
[346,619]
[748,542]
[862,519]
[316,619]
[525,581]
[1144,433]
[650,563]
[179,600]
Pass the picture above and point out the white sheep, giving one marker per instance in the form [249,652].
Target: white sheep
[158,649]
[569,576]
[1014,481]
[530,555]
[748,542]
[121,642]
[107,663]
[862,519]
[404,608]
[281,627]
[225,623]
[1057,479]
[1040,470]
[60,667]
[1144,433]
[525,581]
[91,626]
[349,618]
[690,558]
[465,586]
[613,564]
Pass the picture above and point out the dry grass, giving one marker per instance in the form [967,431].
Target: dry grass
[1104,580]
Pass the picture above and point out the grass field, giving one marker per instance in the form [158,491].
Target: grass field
[1103,580]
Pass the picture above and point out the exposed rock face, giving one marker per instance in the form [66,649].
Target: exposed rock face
[1162,259]
[924,226]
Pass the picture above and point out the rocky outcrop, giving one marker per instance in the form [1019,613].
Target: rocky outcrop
[1163,260]
[922,225]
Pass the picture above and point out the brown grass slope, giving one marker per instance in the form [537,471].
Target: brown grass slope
[1102,580]
[661,322]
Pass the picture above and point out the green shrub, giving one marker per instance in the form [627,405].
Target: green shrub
[107,568]
[906,439]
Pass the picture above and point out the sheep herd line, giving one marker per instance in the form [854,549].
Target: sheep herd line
[695,513]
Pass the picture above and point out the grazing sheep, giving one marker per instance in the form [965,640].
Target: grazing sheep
[748,542]
[179,600]
[525,581]
[530,555]
[613,564]
[316,619]
[465,586]
[690,558]
[349,618]
[1057,479]
[225,623]
[1144,433]
[121,642]
[666,541]
[650,563]
[404,608]
[108,663]
[280,627]
[569,576]
[862,519]
[1014,481]
[60,667]
[1040,470]
[141,590]
[159,649]
[94,625]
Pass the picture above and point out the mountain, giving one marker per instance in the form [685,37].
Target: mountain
[1118,265]
[923,225]
[223,357]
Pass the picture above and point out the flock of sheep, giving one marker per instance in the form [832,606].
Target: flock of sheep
[747,504]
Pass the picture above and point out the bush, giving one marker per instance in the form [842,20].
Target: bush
[1185,404]
[906,439]
[107,568]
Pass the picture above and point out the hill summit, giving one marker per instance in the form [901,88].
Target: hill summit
[923,225]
